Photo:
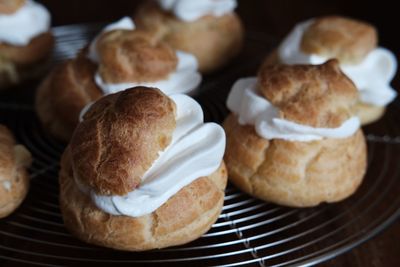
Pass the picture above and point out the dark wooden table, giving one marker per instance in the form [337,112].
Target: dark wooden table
[276,18]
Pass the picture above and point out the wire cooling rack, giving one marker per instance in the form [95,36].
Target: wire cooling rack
[248,232]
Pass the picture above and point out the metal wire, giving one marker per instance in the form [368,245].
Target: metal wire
[248,231]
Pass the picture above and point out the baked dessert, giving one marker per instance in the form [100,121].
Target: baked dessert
[208,29]
[25,41]
[118,58]
[291,136]
[14,178]
[354,44]
[142,171]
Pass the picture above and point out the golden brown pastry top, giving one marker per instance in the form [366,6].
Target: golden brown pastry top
[12,156]
[119,139]
[134,56]
[315,95]
[10,6]
[348,40]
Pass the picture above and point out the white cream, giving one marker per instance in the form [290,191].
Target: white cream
[7,185]
[196,150]
[21,27]
[126,23]
[84,110]
[183,80]
[372,76]
[254,109]
[191,10]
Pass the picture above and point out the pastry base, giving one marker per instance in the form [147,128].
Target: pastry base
[183,218]
[296,174]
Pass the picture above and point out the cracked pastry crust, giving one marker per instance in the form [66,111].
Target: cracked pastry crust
[121,134]
[314,95]
[299,174]
[120,137]
[134,56]
[213,40]
[14,178]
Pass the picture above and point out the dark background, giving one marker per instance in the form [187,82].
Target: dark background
[276,18]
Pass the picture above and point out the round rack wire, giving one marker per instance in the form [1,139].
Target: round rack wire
[248,232]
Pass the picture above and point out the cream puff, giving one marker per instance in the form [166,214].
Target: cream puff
[120,57]
[14,178]
[292,138]
[354,44]
[25,41]
[208,29]
[142,171]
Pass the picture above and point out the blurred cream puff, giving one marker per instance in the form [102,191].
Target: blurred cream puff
[14,178]
[208,29]
[25,41]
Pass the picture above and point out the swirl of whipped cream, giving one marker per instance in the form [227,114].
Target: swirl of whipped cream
[254,109]
[183,80]
[196,150]
[189,10]
[372,76]
[21,27]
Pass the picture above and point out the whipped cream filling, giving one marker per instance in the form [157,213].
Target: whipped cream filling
[183,80]
[372,76]
[21,27]
[189,10]
[253,109]
[196,150]
[7,185]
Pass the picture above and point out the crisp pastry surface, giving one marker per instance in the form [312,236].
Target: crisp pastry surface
[346,39]
[298,174]
[14,178]
[134,56]
[10,6]
[295,173]
[120,138]
[63,94]
[213,40]
[366,112]
[20,63]
[314,95]
[184,217]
